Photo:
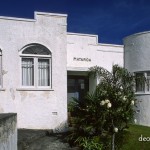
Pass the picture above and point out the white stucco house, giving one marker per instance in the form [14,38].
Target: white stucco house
[42,66]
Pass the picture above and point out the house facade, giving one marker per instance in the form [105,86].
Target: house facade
[33,70]
[42,66]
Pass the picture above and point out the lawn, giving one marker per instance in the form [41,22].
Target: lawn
[132,141]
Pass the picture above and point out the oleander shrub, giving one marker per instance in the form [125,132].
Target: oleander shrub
[106,112]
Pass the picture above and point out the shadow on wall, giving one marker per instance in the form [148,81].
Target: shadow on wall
[62,127]
[8,131]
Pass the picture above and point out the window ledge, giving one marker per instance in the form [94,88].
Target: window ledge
[142,93]
[2,89]
[34,89]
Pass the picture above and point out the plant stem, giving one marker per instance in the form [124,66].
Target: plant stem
[113,142]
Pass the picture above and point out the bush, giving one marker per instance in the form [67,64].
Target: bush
[90,144]
[106,111]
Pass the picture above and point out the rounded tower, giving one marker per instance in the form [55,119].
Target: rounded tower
[137,60]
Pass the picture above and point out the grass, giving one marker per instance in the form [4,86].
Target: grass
[132,139]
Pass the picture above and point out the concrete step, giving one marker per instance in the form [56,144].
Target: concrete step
[42,140]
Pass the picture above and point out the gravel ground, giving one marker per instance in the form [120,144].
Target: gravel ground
[40,140]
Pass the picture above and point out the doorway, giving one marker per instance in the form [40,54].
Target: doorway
[77,87]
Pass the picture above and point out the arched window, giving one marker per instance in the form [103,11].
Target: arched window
[0,68]
[36,66]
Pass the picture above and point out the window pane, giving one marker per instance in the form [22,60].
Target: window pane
[27,72]
[148,81]
[36,49]
[43,72]
[140,83]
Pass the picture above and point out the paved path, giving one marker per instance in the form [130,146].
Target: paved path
[39,140]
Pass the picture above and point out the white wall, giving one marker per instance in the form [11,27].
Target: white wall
[87,46]
[110,54]
[41,109]
[137,58]
[137,52]
[143,112]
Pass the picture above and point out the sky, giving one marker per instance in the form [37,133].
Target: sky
[111,20]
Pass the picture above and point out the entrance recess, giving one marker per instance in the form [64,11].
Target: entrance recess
[77,86]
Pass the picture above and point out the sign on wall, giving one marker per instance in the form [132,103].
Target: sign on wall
[81,59]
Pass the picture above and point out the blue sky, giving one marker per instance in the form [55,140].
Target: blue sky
[112,20]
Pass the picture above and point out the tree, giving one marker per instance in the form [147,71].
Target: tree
[118,88]
[108,109]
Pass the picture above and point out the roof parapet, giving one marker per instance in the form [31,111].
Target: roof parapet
[49,14]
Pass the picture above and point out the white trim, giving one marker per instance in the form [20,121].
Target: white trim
[33,44]
[17,19]
[112,45]
[36,86]
[77,69]
[145,84]
[34,89]
[49,14]
[136,34]
[34,55]
[50,70]
[35,72]
[35,16]
[35,59]
[142,93]
[50,85]
[2,89]
[20,69]
[82,34]
[110,51]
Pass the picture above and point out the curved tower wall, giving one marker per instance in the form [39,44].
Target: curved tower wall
[137,59]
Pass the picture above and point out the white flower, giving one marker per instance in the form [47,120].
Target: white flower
[132,102]
[107,101]
[124,98]
[102,103]
[135,121]
[119,93]
[108,105]
[115,129]
[121,87]
[104,92]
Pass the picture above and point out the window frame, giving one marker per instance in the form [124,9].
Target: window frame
[145,91]
[148,85]
[140,85]
[35,61]
[33,72]
[49,59]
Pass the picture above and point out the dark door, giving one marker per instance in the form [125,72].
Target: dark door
[77,86]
